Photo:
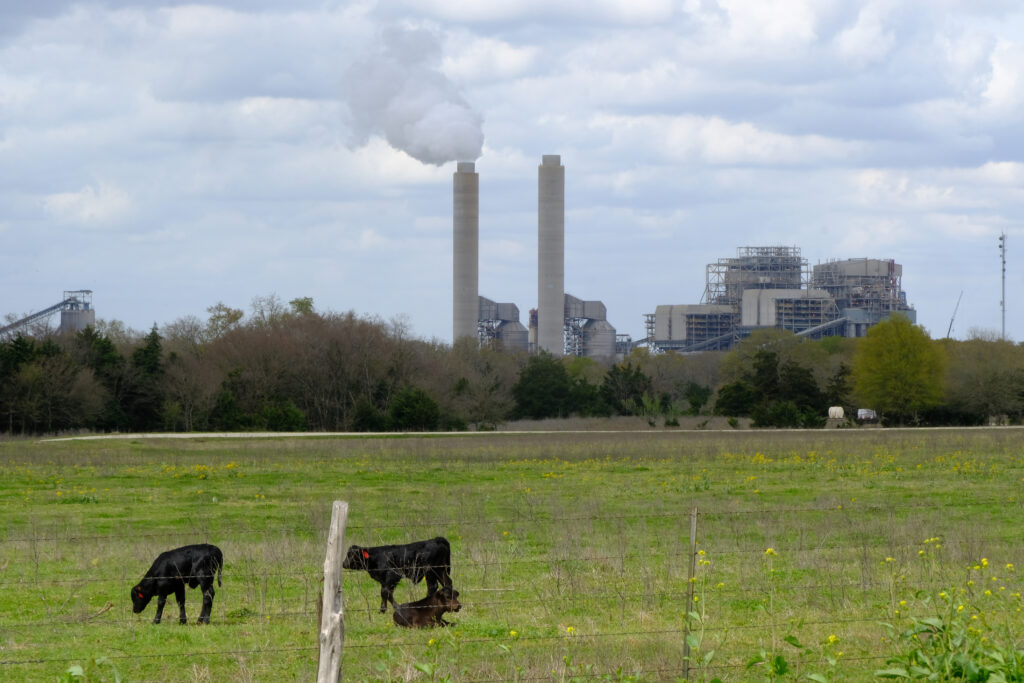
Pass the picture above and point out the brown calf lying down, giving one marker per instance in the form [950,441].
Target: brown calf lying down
[428,611]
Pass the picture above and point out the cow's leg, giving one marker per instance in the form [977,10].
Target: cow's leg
[431,583]
[385,597]
[208,592]
[179,595]
[161,600]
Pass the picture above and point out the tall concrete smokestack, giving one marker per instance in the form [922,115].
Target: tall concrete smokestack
[466,267]
[551,254]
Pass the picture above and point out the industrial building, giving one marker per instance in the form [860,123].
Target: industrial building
[499,326]
[76,313]
[561,324]
[760,287]
[865,291]
[771,287]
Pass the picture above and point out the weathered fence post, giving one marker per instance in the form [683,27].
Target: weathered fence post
[690,580]
[332,618]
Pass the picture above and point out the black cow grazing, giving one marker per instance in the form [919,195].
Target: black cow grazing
[428,611]
[387,564]
[193,565]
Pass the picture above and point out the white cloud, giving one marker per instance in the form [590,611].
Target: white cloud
[788,26]
[1005,89]
[1009,173]
[628,12]
[869,40]
[471,58]
[880,187]
[101,204]
[878,237]
[716,141]
[965,227]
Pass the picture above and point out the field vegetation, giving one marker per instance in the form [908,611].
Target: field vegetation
[817,552]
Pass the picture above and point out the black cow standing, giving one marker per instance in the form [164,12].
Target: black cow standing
[192,565]
[387,564]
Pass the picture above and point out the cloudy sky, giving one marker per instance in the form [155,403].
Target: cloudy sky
[169,156]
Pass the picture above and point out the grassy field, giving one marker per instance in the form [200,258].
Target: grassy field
[570,551]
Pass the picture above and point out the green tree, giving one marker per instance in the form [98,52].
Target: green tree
[144,394]
[42,389]
[367,417]
[898,371]
[797,384]
[837,392]
[765,375]
[543,389]
[736,399]
[624,388]
[985,380]
[99,353]
[697,396]
[412,410]
[302,305]
[222,318]
[283,416]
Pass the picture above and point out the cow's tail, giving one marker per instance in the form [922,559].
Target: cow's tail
[220,568]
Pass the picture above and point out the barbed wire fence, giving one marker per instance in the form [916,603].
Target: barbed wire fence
[487,598]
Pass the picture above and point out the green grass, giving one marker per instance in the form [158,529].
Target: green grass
[577,543]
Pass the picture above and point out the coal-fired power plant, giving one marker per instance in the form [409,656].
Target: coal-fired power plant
[561,324]
[761,287]
[465,263]
[551,254]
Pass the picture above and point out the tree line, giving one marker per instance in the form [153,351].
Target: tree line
[287,367]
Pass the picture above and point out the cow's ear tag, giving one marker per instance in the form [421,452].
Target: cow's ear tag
[140,595]
[366,555]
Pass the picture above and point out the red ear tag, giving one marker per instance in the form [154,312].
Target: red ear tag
[366,555]
[141,595]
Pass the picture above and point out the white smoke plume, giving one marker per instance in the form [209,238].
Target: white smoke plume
[400,93]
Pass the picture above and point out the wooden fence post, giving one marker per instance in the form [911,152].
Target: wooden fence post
[690,579]
[332,618]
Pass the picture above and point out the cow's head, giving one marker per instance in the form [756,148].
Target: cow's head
[449,597]
[356,558]
[139,599]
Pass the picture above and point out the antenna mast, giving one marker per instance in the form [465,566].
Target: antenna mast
[1002,303]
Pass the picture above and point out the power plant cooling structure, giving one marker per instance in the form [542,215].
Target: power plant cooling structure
[551,255]
[465,265]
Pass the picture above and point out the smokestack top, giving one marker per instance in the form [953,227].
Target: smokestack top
[551,160]
[465,167]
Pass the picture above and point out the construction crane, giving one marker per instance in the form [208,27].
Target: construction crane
[953,317]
